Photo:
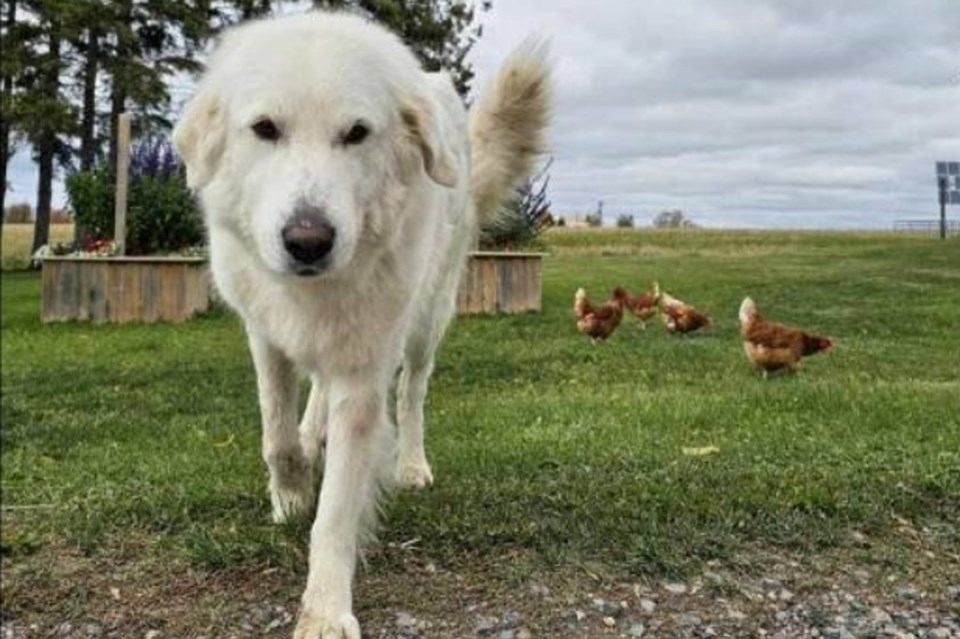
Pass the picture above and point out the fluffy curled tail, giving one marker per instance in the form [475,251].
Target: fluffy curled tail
[508,128]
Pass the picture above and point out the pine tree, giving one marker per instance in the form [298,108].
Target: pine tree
[149,42]
[42,114]
[9,66]
[440,32]
[61,50]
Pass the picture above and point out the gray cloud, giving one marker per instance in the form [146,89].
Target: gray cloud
[747,112]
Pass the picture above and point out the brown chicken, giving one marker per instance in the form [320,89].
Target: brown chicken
[598,322]
[644,306]
[771,346]
[680,317]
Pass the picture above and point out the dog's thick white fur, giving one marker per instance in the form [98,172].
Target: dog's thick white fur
[405,202]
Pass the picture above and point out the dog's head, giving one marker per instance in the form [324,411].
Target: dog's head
[308,133]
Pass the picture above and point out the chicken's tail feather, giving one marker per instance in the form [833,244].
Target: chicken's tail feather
[580,302]
[669,301]
[748,311]
[816,344]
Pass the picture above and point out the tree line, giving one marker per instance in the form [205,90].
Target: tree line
[68,68]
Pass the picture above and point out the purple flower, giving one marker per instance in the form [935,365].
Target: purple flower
[154,158]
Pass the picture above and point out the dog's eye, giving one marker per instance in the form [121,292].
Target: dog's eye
[357,134]
[265,129]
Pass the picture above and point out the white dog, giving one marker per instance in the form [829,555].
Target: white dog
[342,191]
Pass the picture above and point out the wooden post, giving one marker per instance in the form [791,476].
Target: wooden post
[123,180]
[942,184]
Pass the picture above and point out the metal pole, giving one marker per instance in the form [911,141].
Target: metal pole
[942,183]
[123,180]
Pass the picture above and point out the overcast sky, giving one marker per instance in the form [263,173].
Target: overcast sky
[745,113]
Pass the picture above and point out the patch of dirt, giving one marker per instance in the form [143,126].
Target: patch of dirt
[905,587]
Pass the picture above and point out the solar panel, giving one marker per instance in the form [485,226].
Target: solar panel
[948,173]
[948,168]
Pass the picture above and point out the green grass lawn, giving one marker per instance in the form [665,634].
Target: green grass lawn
[542,442]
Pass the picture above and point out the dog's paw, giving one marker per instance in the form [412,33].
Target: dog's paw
[414,474]
[292,486]
[289,503]
[313,625]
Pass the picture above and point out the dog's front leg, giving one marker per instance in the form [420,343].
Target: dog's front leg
[291,478]
[313,424]
[357,454]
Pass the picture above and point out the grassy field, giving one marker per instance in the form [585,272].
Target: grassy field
[18,239]
[136,448]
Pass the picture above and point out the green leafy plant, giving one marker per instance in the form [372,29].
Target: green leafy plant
[162,216]
[90,194]
[523,218]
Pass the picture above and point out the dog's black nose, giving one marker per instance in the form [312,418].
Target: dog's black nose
[308,236]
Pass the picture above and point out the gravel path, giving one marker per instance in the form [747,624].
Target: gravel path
[713,605]
[764,608]
[900,590]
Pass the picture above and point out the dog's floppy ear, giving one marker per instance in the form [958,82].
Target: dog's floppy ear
[423,123]
[200,135]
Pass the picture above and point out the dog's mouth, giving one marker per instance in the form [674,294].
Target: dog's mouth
[306,271]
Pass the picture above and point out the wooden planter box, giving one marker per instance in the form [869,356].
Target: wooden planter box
[172,289]
[124,289]
[501,282]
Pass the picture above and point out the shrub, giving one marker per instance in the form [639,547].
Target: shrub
[18,213]
[162,216]
[625,221]
[61,216]
[593,219]
[522,219]
[90,194]
[673,219]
